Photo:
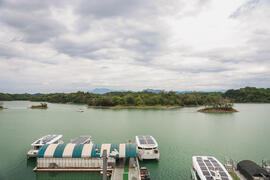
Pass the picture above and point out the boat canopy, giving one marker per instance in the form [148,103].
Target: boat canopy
[209,168]
[250,169]
[146,142]
[86,150]
[48,139]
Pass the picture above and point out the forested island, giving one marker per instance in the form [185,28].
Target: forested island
[1,105]
[145,99]
[41,106]
[223,106]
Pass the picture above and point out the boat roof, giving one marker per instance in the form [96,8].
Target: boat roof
[209,168]
[81,140]
[146,142]
[48,139]
[86,150]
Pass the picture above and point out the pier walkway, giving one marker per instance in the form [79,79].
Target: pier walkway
[241,177]
[125,170]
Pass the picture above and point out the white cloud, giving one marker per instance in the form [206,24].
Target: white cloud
[172,45]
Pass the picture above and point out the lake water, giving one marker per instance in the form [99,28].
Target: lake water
[181,133]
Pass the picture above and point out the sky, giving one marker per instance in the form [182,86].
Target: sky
[71,45]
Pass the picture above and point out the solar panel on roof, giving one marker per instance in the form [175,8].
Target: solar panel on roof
[150,141]
[206,173]
[80,140]
[220,169]
[213,161]
[48,139]
[224,178]
[142,141]
[201,164]
[209,178]
[223,174]
[212,173]
[203,168]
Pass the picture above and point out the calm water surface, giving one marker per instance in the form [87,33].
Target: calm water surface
[180,133]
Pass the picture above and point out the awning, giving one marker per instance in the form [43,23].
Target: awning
[86,150]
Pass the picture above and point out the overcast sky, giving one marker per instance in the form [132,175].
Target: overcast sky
[65,45]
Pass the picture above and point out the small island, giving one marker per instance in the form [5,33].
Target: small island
[219,106]
[41,106]
[1,106]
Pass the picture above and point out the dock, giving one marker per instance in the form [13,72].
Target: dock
[126,170]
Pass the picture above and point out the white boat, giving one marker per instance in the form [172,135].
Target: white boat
[147,147]
[82,140]
[48,139]
[208,168]
[80,110]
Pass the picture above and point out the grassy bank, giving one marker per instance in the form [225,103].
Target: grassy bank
[136,107]
[234,176]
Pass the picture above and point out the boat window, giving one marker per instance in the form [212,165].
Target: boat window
[139,148]
[36,147]
[148,148]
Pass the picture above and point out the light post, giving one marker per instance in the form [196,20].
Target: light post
[105,156]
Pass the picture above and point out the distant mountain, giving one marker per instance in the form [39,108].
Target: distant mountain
[153,90]
[183,92]
[101,90]
[158,91]
[106,90]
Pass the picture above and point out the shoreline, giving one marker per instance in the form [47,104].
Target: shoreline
[212,110]
[136,107]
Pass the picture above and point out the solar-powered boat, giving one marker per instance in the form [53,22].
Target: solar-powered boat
[208,168]
[147,147]
[82,140]
[48,139]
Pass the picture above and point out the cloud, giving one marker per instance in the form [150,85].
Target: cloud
[73,45]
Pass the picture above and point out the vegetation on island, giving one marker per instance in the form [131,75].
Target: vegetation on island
[146,99]
[41,106]
[219,105]
[1,105]
[249,95]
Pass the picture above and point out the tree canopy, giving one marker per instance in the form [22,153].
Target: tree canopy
[144,98]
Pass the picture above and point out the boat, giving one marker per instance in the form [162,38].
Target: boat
[145,174]
[48,139]
[81,140]
[147,147]
[266,165]
[80,110]
[208,168]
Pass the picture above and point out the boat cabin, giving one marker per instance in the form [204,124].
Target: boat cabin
[147,147]
[208,168]
[38,144]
